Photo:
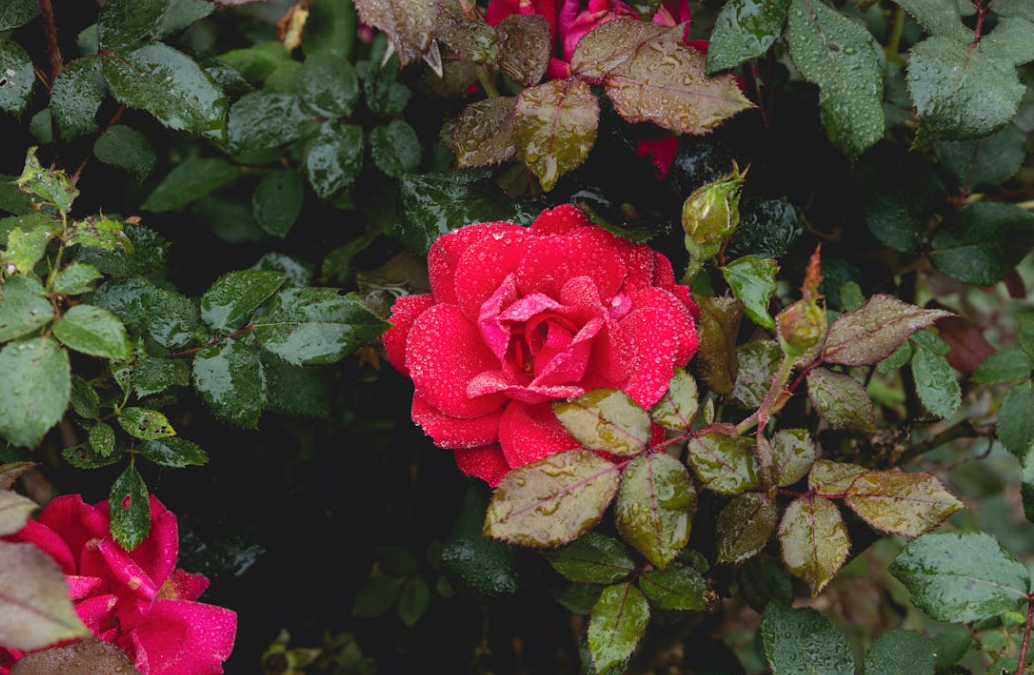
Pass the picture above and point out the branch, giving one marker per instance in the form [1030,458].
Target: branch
[1026,635]
[53,48]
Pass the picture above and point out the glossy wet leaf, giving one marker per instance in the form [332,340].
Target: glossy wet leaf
[840,56]
[757,363]
[104,234]
[961,576]
[1016,418]
[524,47]
[16,77]
[94,331]
[15,13]
[14,511]
[872,333]
[277,201]
[753,281]
[555,127]
[484,133]
[395,148]
[983,242]
[744,526]
[485,567]
[172,452]
[936,383]
[552,501]
[147,425]
[678,407]
[36,391]
[170,318]
[86,657]
[1003,366]
[35,610]
[813,540]
[717,330]
[939,18]
[262,120]
[465,32]
[986,161]
[127,149]
[724,464]
[85,400]
[169,85]
[229,302]
[793,454]
[102,439]
[651,75]
[328,85]
[49,185]
[231,382]
[841,400]
[333,157]
[678,587]
[75,279]
[189,181]
[768,227]
[130,509]
[606,419]
[745,30]
[803,642]
[297,391]
[1012,39]
[123,23]
[832,479]
[618,621]
[901,652]
[26,248]
[76,96]
[409,24]
[901,191]
[655,507]
[23,307]
[900,503]
[594,559]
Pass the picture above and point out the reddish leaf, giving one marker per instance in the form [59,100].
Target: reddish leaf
[555,127]
[868,335]
[968,346]
[88,657]
[900,503]
[814,541]
[35,610]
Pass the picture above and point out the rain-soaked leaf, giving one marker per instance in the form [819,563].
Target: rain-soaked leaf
[678,587]
[803,642]
[14,511]
[555,127]
[23,307]
[725,464]
[814,540]
[718,327]
[618,621]
[1016,419]
[552,501]
[655,506]
[744,30]
[409,24]
[832,479]
[228,303]
[900,503]
[753,280]
[679,405]
[651,75]
[86,657]
[841,400]
[593,559]
[870,334]
[130,509]
[35,610]
[983,242]
[463,30]
[936,383]
[37,387]
[961,576]
[147,425]
[524,46]
[902,652]
[484,133]
[744,526]
[606,419]
[793,454]
[757,363]
[230,379]
[482,566]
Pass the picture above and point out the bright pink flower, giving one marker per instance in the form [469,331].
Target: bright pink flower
[138,600]
[520,317]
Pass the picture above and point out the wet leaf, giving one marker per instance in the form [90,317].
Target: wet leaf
[758,362]
[463,30]
[724,464]
[606,419]
[123,23]
[1003,366]
[593,559]
[552,501]
[76,96]
[618,621]
[102,439]
[333,157]
[679,405]
[75,279]
[986,161]
[901,191]
[752,280]
[189,181]
[832,479]
[328,85]
[768,227]
[277,201]
[35,610]
[803,642]
[814,541]
[485,567]
[15,13]
[524,47]
[415,598]
[961,576]
[175,453]
[936,383]
[983,242]
[901,652]
[26,248]
[395,148]
[484,133]
[555,127]
[298,392]
[229,302]
[231,382]
[745,30]
[1016,418]
[717,330]
[762,580]
[409,24]
[908,504]
[130,509]
[262,120]
[170,318]
[94,331]
[841,400]
[331,28]
[678,587]
[655,506]
[51,186]
[87,657]
[939,18]
[793,454]
[14,511]
[377,596]
[744,526]
[23,307]
[36,389]
[872,333]
[651,75]
[147,425]
[17,77]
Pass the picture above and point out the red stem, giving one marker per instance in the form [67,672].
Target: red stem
[1026,635]
[53,49]
[216,339]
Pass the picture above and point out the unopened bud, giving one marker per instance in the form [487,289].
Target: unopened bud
[801,327]
[710,215]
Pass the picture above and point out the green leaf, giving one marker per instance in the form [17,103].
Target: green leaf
[330,28]
[717,330]
[123,23]
[1026,333]
[679,405]
[257,62]
[982,162]
[76,96]
[901,652]
[377,596]
[231,382]
[130,509]
[170,318]
[85,400]
[75,279]
[102,439]
[763,581]
[173,452]
[52,187]
[552,501]
[25,249]
[127,149]
[382,94]
[901,192]
[961,576]
[768,227]
[593,559]
[189,181]
[744,30]
[655,506]
[984,242]
[524,47]
[277,201]
[333,157]
[328,85]
[110,235]
[415,598]
[678,587]
[16,77]
[580,598]
[606,419]
[618,621]
[814,541]
[298,392]
[1012,40]
[744,527]
[793,454]
[23,307]
[724,464]
[14,511]
[147,425]
[936,383]
[485,567]
[315,326]
[841,400]
[484,133]
[1003,366]
[753,280]
[1020,8]
[170,86]
[1016,418]
[908,504]
[181,14]
[939,18]
[37,388]
[154,375]
[228,303]
[961,92]
[15,13]
[94,331]
[395,148]
[298,272]
[840,56]
[758,362]
[872,333]
[555,127]
[263,120]
[409,25]
[900,358]
[82,457]
[803,642]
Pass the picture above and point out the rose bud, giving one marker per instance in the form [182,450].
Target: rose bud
[710,215]
[801,327]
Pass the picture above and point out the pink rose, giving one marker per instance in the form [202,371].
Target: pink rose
[139,600]
[520,317]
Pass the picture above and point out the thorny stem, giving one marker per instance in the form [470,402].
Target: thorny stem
[979,28]
[963,429]
[216,339]
[53,48]
[1026,635]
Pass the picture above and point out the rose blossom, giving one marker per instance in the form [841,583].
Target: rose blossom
[520,317]
[137,600]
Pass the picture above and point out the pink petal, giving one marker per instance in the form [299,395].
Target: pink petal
[551,261]
[490,383]
[663,274]
[496,333]
[81,587]
[653,334]
[487,463]
[49,542]
[527,433]
[499,10]
[156,555]
[557,69]
[444,353]
[403,313]
[452,432]
[126,570]
[561,220]
[446,251]
[184,638]
[183,586]
[566,364]
[483,267]
[74,521]
[672,13]
[678,316]
[682,293]
[96,611]
[660,148]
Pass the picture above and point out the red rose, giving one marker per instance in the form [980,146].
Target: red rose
[520,317]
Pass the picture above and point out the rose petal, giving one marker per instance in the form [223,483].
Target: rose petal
[491,383]
[679,317]
[484,265]
[560,220]
[487,463]
[96,611]
[452,432]
[660,148]
[403,313]
[653,334]
[49,542]
[496,333]
[80,587]
[127,571]
[184,638]
[183,586]
[566,364]
[527,433]
[551,261]
[74,521]
[156,555]
[446,251]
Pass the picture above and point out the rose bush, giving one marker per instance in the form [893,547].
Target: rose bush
[520,317]
[138,600]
